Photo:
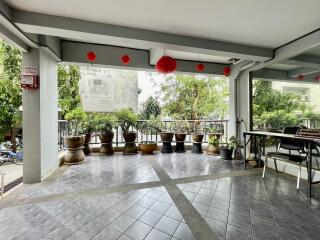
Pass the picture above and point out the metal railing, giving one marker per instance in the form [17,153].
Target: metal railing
[220,125]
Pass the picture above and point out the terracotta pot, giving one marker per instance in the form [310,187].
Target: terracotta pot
[147,147]
[106,137]
[197,137]
[74,153]
[212,149]
[180,137]
[74,141]
[216,135]
[106,143]
[129,136]
[166,136]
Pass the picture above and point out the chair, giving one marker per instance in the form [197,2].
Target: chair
[291,145]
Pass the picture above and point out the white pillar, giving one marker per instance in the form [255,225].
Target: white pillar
[40,119]
[239,102]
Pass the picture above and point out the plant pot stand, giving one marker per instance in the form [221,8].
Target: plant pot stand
[106,149]
[74,156]
[197,147]
[87,149]
[130,148]
[166,147]
[180,148]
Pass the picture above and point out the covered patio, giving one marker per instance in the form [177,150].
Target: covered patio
[176,196]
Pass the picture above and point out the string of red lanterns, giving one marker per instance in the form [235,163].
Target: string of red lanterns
[91,56]
[227,71]
[125,59]
[200,67]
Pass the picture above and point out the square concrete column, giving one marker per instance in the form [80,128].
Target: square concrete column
[40,118]
[239,106]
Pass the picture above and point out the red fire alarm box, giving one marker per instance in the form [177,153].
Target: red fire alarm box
[29,78]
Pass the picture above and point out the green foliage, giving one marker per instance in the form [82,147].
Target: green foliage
[275,109]
[76,118]
[89,123]
[193,97]
[214,141]
[151,126]
[150,107]
[10,90]
[126,118]
[181,126]
[233,143]
[104,123]
[68,87]
[196,127]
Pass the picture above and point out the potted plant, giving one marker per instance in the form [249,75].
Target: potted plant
[197,137]
[74,142]
[182,128]
[213,145]
[148,127]
[104,125]
[214,132]
[226,149]
[87,130]
[166,134]
[126,118]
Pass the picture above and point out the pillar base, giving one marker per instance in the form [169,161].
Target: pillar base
[180,148]
[107,149]
[130,148]
[166,147]
[197,148]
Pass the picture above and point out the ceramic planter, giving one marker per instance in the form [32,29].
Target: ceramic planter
[106,143]
[147,147]
[74,153]
[130,146]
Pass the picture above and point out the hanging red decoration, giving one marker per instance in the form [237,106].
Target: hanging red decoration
[317,78]
[91,56]
[200,67]
[227,71]
[166,64]
[125,59]
[300,77]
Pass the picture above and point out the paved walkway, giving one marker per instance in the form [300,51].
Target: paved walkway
[13,172]
[155,197]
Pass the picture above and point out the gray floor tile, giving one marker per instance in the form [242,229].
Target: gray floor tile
[138,231]
[135,211]
[167,225]
[108,233]
[150,217]
[184,233]
[160,207]
[157,235]
[174,213]
[122,223]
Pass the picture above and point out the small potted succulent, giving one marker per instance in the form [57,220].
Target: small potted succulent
[148,127]
[227,149]
[213,145]
[182,128]
[127,119]
[74,143]
[197,137]
[87,130]
[104,125]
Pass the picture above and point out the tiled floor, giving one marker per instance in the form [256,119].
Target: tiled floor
[169,196]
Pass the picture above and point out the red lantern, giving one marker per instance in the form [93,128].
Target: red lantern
[227,71]
[300,77]
[317,78]
[200,67]
[125,59]
[91,56]
[166,64]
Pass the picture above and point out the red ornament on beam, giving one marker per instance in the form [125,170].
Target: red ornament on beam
[300,77]
[200,67]
[317,78]
[227,71]
[125,59]
[166,64]
[91,56]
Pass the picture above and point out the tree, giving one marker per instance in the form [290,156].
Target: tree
[68,87]
[273,108]
[150,107]
[193,96]
[10,91]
